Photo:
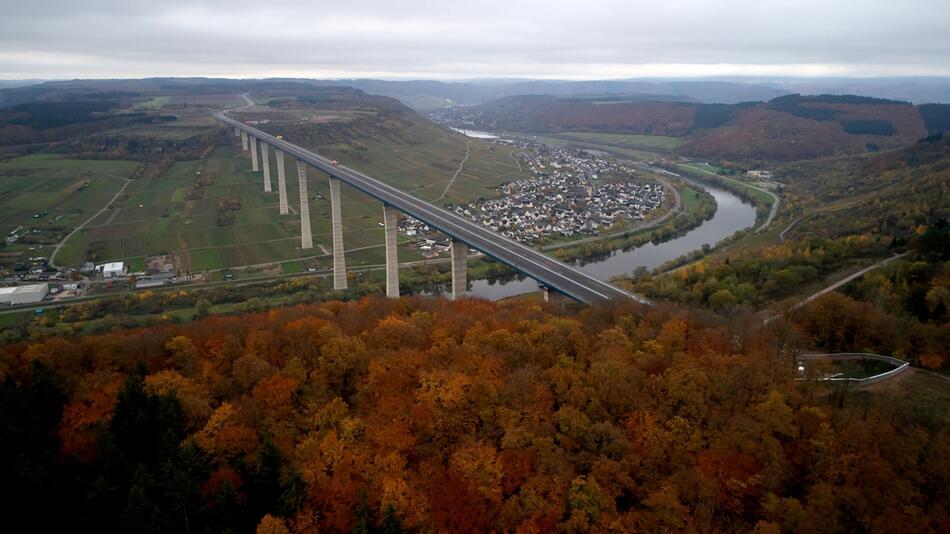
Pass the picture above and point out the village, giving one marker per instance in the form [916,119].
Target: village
[572,193]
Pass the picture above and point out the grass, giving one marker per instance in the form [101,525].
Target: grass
[426,165]
[167,132]
[161,215]
[293,266]
[923,395]
[8,320]
[691,199]
[51,195]
[649,142]
[618,151]
[760,195]
[156,102]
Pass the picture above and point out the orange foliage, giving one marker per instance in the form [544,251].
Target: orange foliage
[82,417]
[472,416]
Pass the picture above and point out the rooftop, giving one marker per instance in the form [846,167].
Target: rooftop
[22,289]
[112,266]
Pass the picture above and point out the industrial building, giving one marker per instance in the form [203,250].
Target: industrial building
[154,280]
[29,294]
[112,269]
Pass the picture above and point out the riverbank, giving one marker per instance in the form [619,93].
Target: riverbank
[733,214]
[698,207]
[767,203]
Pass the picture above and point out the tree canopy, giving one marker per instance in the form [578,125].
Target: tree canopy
[427,415]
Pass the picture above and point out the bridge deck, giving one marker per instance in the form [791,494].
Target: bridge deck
[558,276]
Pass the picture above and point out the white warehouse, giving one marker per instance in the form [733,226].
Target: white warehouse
[30,294]
[112,269]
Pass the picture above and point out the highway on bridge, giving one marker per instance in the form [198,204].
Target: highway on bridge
[554,274]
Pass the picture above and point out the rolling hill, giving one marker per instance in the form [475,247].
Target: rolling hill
[786,128]
[189,191]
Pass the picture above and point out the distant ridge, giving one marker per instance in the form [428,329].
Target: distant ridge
[786,128]
[427,95]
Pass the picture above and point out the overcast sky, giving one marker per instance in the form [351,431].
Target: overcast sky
[446,39]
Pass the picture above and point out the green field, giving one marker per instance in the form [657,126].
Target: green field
[49,196]
[156,102]
[691,199]
[211,213]
[425,165]
[163,215]
[617,151]
[760,195]
[647,142]
[172,214]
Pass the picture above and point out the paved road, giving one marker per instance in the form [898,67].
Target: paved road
[560,277]
[848,278]
[836,285]
[776,201]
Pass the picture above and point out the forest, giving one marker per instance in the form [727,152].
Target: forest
[274,408]
[756,276]
[422,414]
[900,309]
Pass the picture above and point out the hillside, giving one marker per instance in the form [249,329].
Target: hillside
[436,416]
[548,114]
[794,127]
[429,95]
[787,128]
[187,189]
[839,218]
[891,195]
[426,95]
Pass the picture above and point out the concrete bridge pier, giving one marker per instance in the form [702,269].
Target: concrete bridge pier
[254,165]
[459,269]
[243,140]
[265,159]
[391,223]
[281,181]
[306,238]
[339,261]
[237,133]
[545,292]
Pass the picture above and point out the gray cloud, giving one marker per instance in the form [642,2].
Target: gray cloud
[448,39]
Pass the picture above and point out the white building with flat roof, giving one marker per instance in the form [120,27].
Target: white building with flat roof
[29,294]
[115,268]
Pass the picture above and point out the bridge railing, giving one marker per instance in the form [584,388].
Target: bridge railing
[899,366]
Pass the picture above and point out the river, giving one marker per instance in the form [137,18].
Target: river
[732,214]
[476,134]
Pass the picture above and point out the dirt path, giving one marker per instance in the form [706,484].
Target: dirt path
[836,285]
[821,210]
[781,235]
[52,257]
[112,217]
[847,279]
[468,152]
[518,161]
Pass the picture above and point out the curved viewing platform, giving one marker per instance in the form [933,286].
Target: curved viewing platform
[852,367]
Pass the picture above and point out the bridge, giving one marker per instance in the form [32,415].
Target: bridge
[463,233]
